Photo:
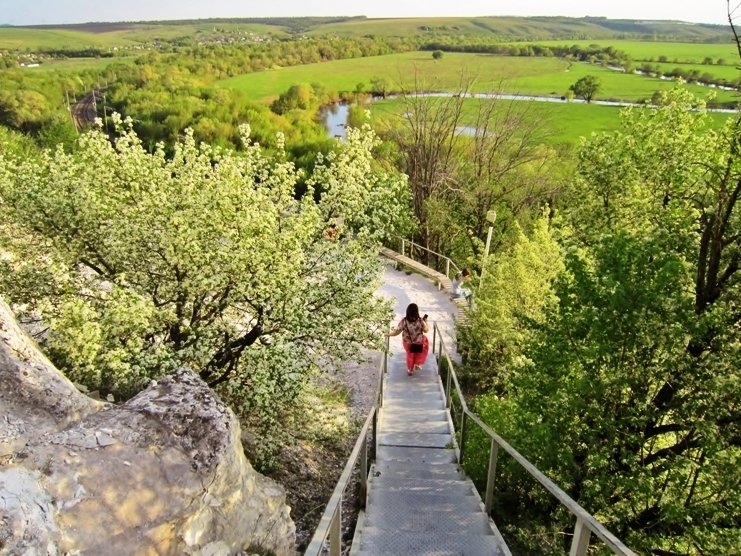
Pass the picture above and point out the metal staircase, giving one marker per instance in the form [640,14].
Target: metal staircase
[418,500]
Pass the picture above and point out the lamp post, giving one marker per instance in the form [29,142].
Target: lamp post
[491,217]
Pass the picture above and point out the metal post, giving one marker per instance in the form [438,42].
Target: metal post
[486,256]
[493,453]
[403,244]
[464,426]
[335,530]
[447,268]
[364,472]
[580,544]
[386,355]
[434,340]
[375,435]
[491,216]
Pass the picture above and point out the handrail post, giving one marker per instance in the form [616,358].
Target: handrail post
[464,434]
[403,244]
[447,268]
[364,470]
[434,338]
[375,435]
[335,532]
[580,544]
[493,453]
[448,383]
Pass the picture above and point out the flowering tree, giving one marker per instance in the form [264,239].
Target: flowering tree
[138,263]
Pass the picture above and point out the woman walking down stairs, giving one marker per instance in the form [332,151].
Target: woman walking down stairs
[419,502]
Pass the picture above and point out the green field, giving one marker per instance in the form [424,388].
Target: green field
[521,28]
[148,33]
[79,64]
[675,52]
[563,123]
[729,73]
[435,26]
[559,29]
[21,38]
[526,76]
[123,35]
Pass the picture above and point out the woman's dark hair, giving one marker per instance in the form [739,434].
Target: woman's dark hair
[412,312]
[466,272]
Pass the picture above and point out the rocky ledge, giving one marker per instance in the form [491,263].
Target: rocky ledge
[163,473]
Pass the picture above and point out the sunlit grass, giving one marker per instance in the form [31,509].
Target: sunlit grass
[526,76]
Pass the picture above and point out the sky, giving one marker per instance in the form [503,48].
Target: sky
[44,12]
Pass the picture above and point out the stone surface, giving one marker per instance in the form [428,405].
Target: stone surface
[163,473]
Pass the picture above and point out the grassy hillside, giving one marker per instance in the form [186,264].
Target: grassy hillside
[528,28]
[28,38]
[526,76]
[127,35]
[108,35]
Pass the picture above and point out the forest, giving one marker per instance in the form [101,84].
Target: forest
[186,225]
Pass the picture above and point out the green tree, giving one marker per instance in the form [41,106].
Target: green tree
[380,86]
[639,364]
[437,54]
[456,178]
[586,87]
[139,263]
[517,291]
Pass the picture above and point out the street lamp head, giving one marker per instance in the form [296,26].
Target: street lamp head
[491,216]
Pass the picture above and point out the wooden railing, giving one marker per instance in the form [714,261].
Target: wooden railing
[585,525]
[330,525]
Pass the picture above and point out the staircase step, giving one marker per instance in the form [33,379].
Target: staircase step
[406,425]
[412,414]
[415,439]
[375,542]
[417,501]
[424,521]
[428,456]
[425,485]
[408,471]
[431,403]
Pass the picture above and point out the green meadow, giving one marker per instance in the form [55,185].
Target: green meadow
[79,64]
[561,123]
[24,38]
[525,76]
[142,33]
[438,26]
[123,35]
[516,28]
[676,52]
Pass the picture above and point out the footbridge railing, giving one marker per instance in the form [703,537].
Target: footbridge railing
[329,531]
[585,526]
[413,250]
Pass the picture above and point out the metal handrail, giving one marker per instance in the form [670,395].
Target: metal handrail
[448,261]
[330,525]
[586,524]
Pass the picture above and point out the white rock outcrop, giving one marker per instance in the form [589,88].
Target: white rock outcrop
[163,473]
